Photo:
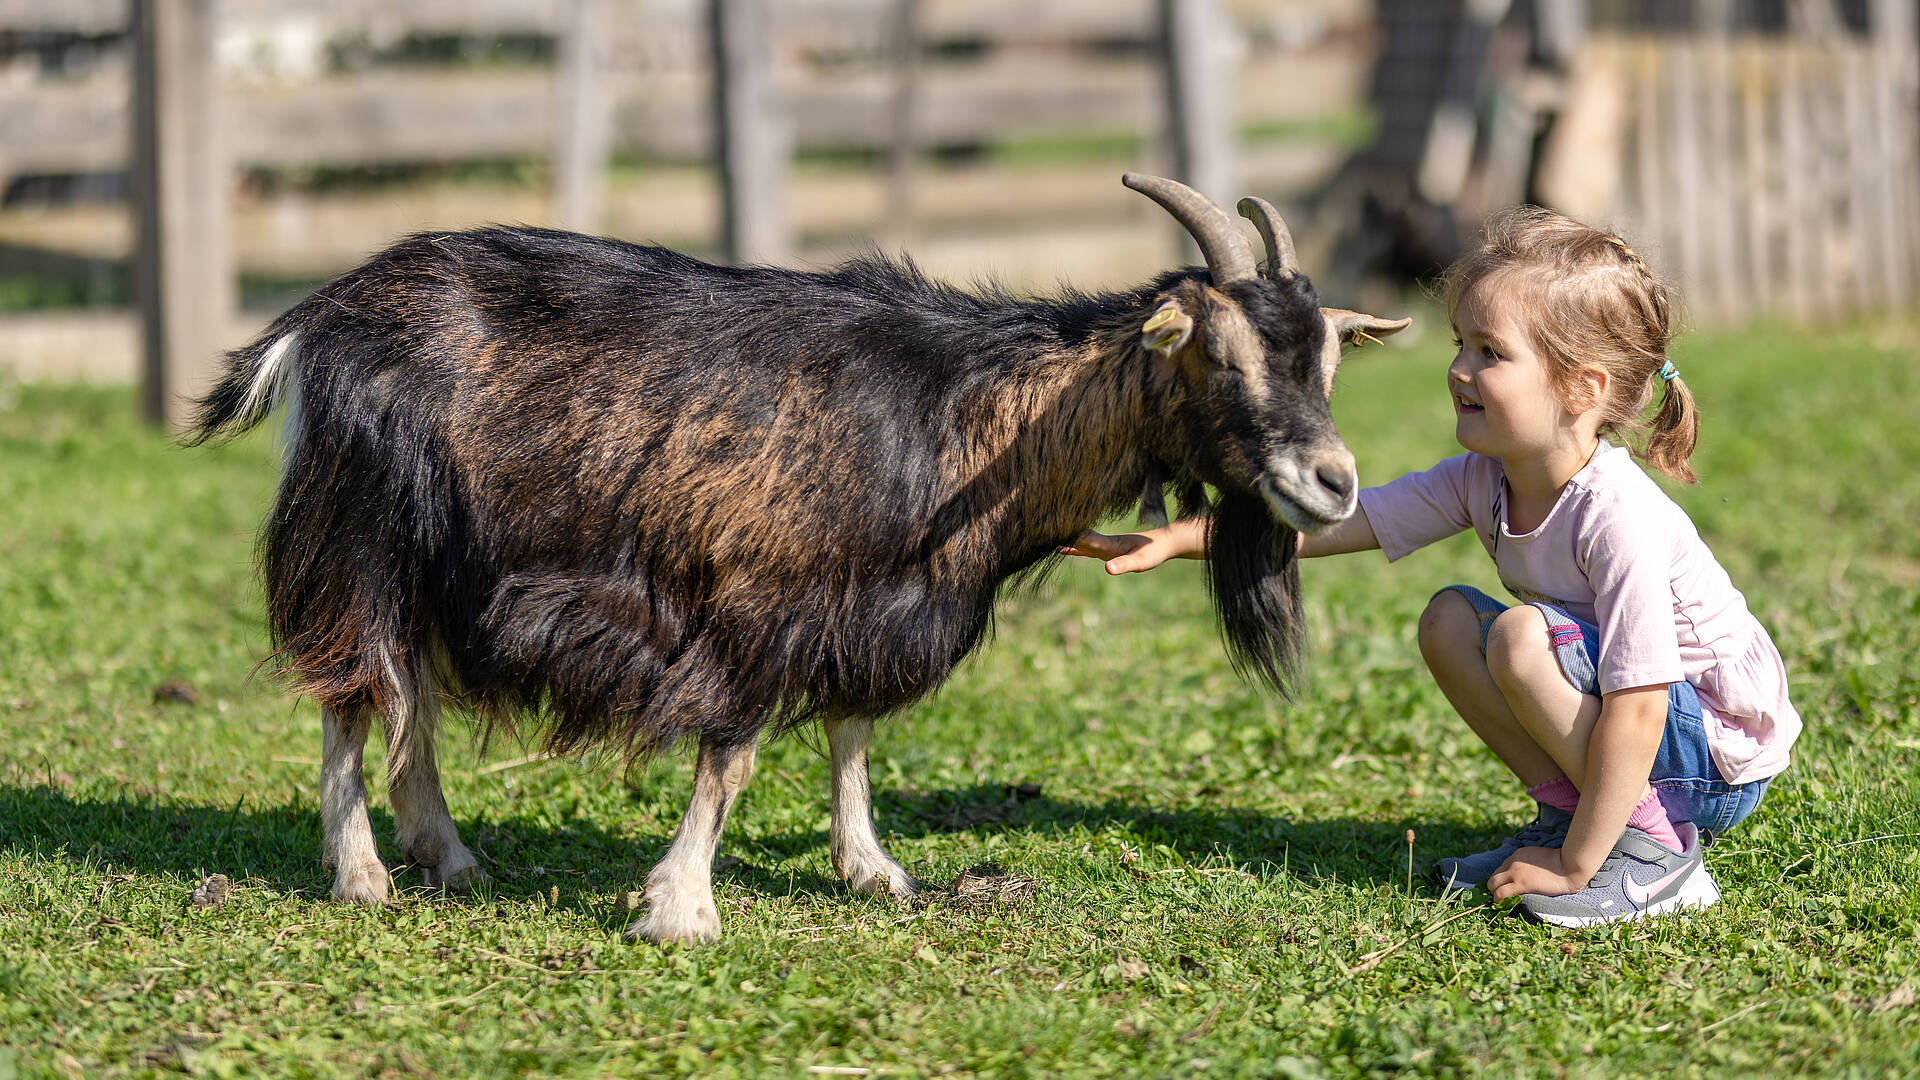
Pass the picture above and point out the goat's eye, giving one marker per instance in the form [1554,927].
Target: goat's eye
[1457,342]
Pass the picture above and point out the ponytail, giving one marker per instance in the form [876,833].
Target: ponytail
[1675,430]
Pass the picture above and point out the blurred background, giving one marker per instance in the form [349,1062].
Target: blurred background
[177,171]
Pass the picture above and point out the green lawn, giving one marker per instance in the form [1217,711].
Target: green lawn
[1220,878]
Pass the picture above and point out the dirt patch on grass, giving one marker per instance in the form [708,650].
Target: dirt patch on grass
[980,888]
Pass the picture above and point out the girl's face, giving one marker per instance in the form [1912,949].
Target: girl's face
[1504,405]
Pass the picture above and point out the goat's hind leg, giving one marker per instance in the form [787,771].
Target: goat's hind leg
[854,845]
[347,848]
[679,891]
[428,837]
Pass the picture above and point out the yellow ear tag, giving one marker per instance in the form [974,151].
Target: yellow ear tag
[1162,317]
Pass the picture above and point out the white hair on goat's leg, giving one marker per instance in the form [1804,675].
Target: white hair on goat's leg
[855,848]
[428,837]
[346,837]
[679,891]
[400,716]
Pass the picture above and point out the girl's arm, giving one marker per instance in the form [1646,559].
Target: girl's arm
[1353,534]
[1620,754]
[1131,553]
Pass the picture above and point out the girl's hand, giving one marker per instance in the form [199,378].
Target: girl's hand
[1126,553]
[1535,870]
[1130,553]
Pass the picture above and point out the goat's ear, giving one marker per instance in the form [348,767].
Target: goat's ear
[1167,329]
[1351,328]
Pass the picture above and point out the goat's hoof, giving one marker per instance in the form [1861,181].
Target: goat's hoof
[666,921]
[886,881]
[461,879]
[449,866]
[365,883]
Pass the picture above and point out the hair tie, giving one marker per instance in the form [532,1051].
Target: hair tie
[1668,372]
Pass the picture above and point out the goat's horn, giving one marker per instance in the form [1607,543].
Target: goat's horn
[1280,254]
[1229,256]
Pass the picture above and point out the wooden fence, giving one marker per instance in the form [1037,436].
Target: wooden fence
[1763,175]
[638,78]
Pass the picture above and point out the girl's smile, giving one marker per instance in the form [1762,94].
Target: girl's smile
[1504,402]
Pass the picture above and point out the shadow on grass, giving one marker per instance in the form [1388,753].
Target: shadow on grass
[1339,848]
[278,847]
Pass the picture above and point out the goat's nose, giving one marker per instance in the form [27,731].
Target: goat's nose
[1337,477]
[1335,472]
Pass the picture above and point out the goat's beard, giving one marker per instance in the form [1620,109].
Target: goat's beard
[1254,575]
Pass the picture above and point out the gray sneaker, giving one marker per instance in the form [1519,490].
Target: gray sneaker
[1549,829]
[1640,877]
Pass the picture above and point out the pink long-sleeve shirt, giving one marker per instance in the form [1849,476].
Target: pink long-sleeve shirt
[1617,553]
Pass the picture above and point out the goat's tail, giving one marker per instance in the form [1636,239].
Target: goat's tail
[259,378]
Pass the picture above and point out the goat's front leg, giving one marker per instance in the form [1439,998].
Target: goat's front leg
[855,847]
[347,849]
[679,891]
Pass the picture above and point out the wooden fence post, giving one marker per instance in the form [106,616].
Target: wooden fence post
[1728,293]
[751,144]
[1896,36]
[1688,255]
[584,127]
[1797,189]
[181,180]
[903,138]
[1200,113]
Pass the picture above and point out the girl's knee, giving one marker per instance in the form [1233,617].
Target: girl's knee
[1518,643]
[1448,625]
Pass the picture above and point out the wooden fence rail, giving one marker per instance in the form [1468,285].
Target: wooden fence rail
[386,116]
[640,76]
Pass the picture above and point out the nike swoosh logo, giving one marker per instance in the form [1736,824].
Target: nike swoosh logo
[1640,894]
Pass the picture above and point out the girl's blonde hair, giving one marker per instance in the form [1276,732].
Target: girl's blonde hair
[1590,302]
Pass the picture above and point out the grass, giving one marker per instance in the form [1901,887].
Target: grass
[1221,878]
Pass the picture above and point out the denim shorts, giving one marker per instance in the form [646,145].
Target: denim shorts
[1684,776]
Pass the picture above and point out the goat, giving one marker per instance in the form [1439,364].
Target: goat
[636,498]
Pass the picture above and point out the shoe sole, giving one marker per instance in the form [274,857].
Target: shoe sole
[1699,892]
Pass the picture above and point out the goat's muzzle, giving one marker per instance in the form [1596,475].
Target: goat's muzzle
[1312,489]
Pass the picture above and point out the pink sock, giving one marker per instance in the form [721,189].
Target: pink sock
[1650,817]
[1558,793]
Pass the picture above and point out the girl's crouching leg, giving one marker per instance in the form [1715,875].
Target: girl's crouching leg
[1451,636]
[1524,666]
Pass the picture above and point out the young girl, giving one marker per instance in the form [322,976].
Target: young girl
[1631,692]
